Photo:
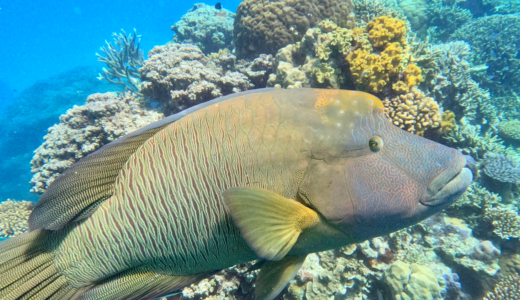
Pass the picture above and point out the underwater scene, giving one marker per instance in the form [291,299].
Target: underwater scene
[254,149]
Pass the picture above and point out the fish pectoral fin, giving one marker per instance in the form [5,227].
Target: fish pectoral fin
[275,275]
[270,223]
[140,284]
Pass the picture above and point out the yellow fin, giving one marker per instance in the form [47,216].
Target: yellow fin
[270,223]
[274,276]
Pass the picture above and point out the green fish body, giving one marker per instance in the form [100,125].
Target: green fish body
[271,174]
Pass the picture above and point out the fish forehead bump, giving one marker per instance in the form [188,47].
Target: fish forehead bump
[352,117]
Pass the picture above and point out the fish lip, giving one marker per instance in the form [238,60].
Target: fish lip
[445,192]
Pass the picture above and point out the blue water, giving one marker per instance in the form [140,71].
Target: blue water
[43,38]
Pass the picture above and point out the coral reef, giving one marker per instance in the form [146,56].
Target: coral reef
[445,17]
[14,216]
[413,112]
[178,76]
[123,61]
[507,289]
[208,28]
[501,167]
[263,27]
[506,222]
[448,79]
[413,281]
[510,129]
[494,43]
[84,129]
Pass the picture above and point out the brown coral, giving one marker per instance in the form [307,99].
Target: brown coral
[178,76]
[413,112]
[266,26]
[507,289]
[84,129]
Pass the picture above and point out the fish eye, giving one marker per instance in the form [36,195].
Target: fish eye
[375,143]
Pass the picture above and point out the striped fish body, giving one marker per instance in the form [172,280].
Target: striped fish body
[167,212]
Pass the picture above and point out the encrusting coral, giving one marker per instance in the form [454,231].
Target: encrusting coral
[263,27]
[208,28]
[14,216]
[84,129]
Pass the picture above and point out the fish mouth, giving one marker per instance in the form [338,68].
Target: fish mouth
[450,185]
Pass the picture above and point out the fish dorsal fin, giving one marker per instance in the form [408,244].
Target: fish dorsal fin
[270,223]
[77,192]
[274,276]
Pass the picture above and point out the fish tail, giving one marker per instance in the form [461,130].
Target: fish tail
[27,270]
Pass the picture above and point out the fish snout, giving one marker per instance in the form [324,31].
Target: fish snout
[449,185]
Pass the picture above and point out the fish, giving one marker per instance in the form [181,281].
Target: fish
[218,6]
[268,174]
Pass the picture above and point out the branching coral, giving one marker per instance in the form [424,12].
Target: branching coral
[494,41]
[123,61]
[446,16]
[178,76]
[209,28]
[263,27]
[507,289]
[506,222]
[448,79]
[84,129]
[471,140]
[14,216]
[413,112]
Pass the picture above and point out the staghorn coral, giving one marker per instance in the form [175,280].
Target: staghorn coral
[123,61]
[413,112]
[178,76]
[84,129]
[471,140]
[263,27]
[507,289]
[494,43]
[14,216]
[447,78]
[208,28]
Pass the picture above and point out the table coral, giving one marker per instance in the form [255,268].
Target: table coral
[208,28]
[84,129]
[14,216]
[263,27]
[507,289]
[510,129]
[501,167]
[178,76]
[414,112]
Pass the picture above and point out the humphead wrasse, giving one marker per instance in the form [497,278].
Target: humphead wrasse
[268,174]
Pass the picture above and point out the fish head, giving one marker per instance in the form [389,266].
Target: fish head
[369,177]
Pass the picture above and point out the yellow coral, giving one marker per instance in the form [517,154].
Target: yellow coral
[368,69]
[412,75]
[393,57]
[413,112]
[322,72]
[447,122]
[385,30]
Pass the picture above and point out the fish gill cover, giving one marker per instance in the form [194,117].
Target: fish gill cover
[445,70]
